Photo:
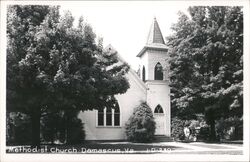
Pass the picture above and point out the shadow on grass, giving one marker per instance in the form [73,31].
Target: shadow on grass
[213,142]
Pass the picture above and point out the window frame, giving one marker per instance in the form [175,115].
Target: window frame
[143,73]
[102,116]
[159,73]
[105,118]
[157,108]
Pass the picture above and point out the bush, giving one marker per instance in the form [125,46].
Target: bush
[141,125]
[199,130]
[62,127]
[204,133]
[230,128]
[226,129]
[18,130]
[52,127]
[75,131]
[177,128]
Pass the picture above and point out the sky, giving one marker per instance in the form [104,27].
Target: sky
[126,25]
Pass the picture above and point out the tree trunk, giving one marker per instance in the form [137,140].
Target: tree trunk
[65,118]
[210,117]
[35,126]
[212,130]
[67,128]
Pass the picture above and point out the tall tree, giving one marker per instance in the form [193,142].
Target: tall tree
[206,63]
[60,68]
[21,25]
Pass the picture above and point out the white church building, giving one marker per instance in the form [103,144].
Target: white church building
[152,86]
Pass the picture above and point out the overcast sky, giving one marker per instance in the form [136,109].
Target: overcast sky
[126,25]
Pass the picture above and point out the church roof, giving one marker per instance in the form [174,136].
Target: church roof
[131,71]
[154,35]
[154,40]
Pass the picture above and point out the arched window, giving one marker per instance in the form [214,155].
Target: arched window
[117,116]
[143,73]
[109,116]
[101,117]
[158,109]
[158,72]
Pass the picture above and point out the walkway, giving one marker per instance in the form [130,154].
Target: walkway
[185,148]
[206,148]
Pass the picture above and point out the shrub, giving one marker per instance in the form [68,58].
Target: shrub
[75,131]
[18,129]
[204,133]
[52,127]
[199,130]
[141,125]
[230,128]
[63,127]
[177,128]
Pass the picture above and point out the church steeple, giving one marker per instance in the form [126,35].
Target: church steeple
[154,73]
[155,35]
[155,40]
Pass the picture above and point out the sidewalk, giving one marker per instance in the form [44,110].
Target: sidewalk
[190,148]
[205,148]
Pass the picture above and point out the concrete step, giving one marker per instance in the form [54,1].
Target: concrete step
[163,138]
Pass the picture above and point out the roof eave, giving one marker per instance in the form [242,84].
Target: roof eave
[141,52]
[152,48]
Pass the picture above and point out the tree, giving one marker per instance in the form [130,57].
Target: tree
[60,67]
[206,62]
[21,24]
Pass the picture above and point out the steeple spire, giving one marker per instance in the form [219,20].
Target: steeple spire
[155,39]
[155,35]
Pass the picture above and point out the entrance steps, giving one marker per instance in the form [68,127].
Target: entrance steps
[163,138]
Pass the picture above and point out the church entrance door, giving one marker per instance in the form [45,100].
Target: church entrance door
[160,124]
[159,120]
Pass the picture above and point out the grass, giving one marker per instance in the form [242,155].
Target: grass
[122,147]
[111,148]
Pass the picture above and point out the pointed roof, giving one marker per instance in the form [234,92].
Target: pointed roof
[154,40]
[131,72]
[154,35]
